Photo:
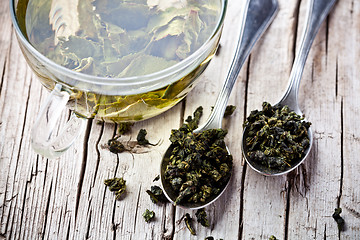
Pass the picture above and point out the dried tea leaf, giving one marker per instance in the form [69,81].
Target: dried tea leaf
[116,146]
[230,109]
[188,223]
[339,220]
[116,185]
[272,237]
[199,165]
[156,195]
[276,137]
[156,178]
[141,137]
[202,217]
[148,215]
[192,27]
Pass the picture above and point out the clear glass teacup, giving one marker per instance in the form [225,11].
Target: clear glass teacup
[121,98]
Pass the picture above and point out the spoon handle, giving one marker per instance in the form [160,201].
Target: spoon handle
[317,12]
[256,17]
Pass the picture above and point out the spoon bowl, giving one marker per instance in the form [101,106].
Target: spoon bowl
[256,16]
[317,12]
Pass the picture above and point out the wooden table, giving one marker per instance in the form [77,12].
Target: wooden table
[65,198]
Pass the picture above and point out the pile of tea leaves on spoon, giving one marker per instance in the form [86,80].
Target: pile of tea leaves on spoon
[199,165]
[276,137]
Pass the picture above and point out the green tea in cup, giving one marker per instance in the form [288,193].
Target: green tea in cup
[116,60]
[122,39]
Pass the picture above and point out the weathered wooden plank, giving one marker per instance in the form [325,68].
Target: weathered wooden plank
[66,198]
[13,109]
[347,42]
[5,37]
[315,187]
[100,216]
[32,182]
[265,198]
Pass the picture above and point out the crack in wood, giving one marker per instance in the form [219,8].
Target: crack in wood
[68,230]
[87,235]
[45,173]
[9,200]
[244,168]
[336,78]
[46,211]
[3,73]
[341,153]
[6,60]
[353,212]
[98,152]
[165,231]
[115,225]
[83,166]
[287,207]
[137,207]
[327,37]
[23,205]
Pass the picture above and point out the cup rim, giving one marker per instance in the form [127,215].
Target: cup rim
[155,78]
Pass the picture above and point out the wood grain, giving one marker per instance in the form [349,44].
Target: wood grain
[65,198]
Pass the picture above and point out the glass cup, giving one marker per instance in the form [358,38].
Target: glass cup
[126,99]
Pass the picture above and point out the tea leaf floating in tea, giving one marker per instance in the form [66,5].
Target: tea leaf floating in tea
[116,185]
[202,217]
[148,215]
[276,136]
[120,38]
[199,165]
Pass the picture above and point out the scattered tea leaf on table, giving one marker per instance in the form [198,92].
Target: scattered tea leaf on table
[148,215]
[156,195]
[230,109]
[339,220]
[116,146]
[141,137]
[116,185]
[272,237]
[202,217]
[188,222]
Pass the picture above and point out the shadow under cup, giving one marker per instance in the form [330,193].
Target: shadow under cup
[126,99]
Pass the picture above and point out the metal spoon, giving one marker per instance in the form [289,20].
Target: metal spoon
[256,17]
[317,12]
